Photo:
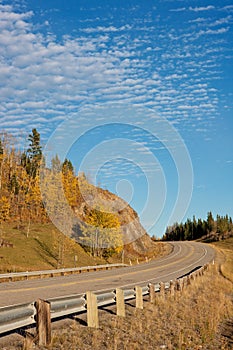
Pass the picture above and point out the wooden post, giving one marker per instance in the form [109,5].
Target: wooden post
[43,322]
[92,310]
[120,302]
[162,290]
[151,292]
[184,282]
[172,288]
[181,281]
[177,285]
[139,297]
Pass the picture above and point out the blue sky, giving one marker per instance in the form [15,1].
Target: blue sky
[138,94]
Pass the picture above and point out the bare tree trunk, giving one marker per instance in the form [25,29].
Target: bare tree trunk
[29,224]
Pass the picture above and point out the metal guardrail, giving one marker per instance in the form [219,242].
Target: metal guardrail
[14,275]
[17,316]
[67,305]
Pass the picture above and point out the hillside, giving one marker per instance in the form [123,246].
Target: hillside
[44,248]
[49,215]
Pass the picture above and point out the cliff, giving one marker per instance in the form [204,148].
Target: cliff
[136,240]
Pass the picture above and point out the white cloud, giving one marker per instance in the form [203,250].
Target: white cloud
[203,8]
[228,7]
[181,9]
[106,29]
[42,80]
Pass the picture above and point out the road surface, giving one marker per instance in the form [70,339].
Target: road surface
[184,258]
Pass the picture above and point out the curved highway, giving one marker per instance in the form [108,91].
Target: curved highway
[185,257]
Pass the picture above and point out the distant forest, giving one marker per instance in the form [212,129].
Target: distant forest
[207,230]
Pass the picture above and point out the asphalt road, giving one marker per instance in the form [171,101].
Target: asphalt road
[184,258]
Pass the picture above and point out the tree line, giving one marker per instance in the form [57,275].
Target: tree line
[211,229]
[21,200]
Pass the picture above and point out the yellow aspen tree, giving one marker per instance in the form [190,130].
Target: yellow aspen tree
[102,231]
[4,208]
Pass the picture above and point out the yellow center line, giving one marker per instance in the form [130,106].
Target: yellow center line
[95,279]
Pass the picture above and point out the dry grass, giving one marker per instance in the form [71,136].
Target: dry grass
[189,322]
[225,248]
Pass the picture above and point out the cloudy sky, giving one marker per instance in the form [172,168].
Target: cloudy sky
[138,94]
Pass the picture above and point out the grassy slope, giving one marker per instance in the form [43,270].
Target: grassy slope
[40,250]
[225,248]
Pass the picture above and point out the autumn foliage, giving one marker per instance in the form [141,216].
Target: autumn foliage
[21,200]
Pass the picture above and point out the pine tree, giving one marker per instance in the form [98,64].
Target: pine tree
[1,149]
[34,153]
[210,222]
[67,166]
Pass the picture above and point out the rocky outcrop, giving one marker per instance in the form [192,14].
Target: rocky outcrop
[136,240]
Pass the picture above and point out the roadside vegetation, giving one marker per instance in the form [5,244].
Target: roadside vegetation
[225,249]
[199,318]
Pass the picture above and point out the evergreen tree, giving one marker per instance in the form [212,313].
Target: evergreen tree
[34,153]
[67,166]
[210,222]
[1,149]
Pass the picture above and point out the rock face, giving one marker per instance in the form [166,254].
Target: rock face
[136,240]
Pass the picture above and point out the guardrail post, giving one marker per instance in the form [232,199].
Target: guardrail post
[92,310]
[177,285]
[184,282]
[139,297]
[120,302]
[151,292]
[43,322]
[181,284]
[172,288]
[162,290]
